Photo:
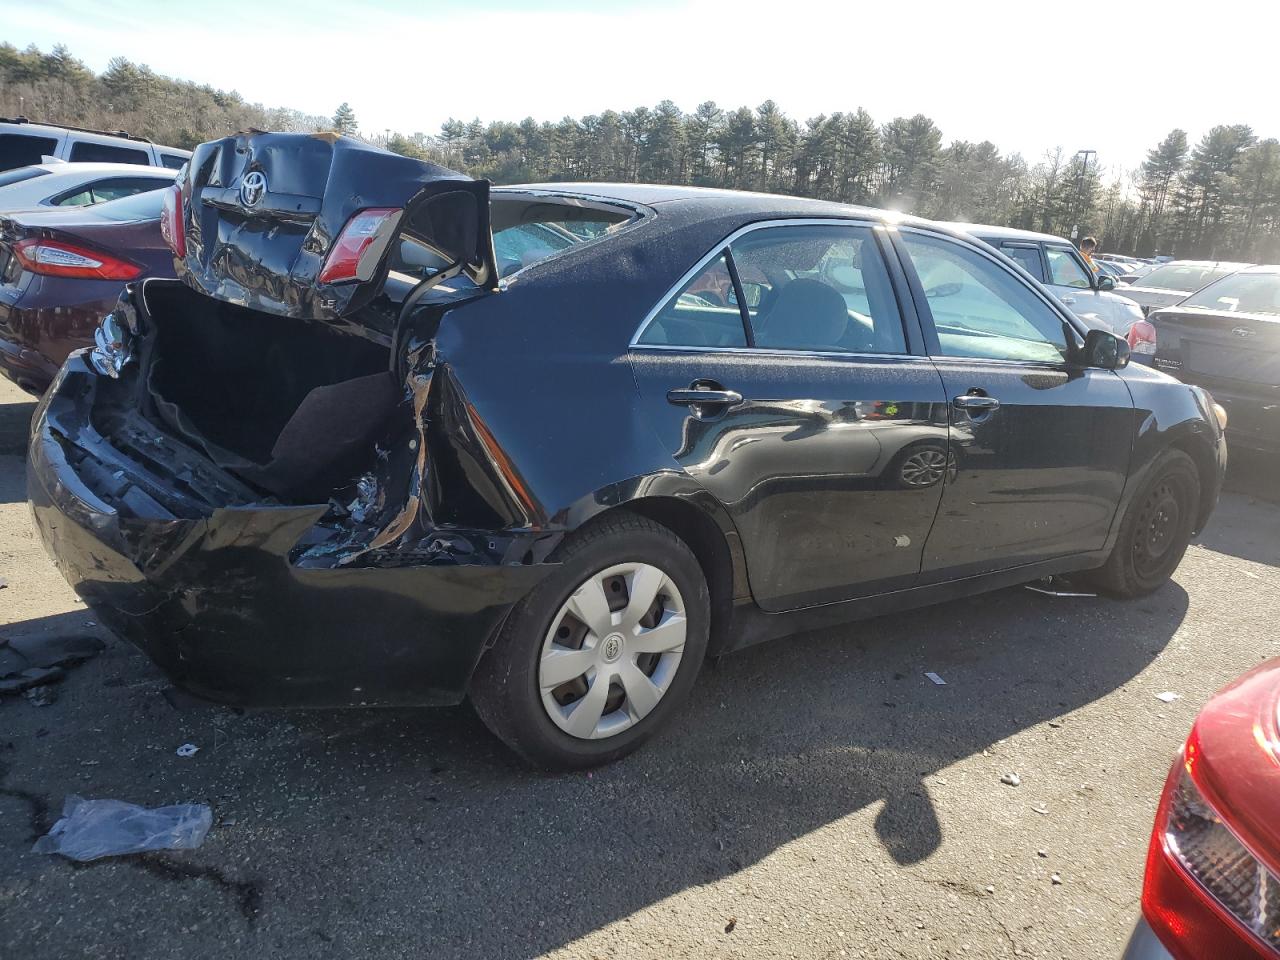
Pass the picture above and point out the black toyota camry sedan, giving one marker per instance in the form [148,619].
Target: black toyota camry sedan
[396,437]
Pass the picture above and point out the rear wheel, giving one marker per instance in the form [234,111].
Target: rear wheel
[1156,529]
[596,659]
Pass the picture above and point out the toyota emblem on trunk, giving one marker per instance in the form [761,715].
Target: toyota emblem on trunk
[252,187]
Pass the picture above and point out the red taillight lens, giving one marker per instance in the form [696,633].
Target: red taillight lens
[172,226]
[356,252]
[54,258]
[1205,895]
[1142,337]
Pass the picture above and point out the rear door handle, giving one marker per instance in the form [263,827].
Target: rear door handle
[975,403]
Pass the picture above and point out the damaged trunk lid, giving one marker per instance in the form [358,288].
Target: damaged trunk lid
[308,226]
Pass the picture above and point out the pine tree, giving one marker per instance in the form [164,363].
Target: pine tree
[344,120]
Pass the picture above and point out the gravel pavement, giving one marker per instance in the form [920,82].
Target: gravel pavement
[818,798]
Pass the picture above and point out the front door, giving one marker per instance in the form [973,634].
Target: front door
[780,376]
[1041,445]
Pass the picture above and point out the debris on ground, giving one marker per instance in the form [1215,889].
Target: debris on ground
[1043,854]
[90,829]
[187,750]
[1011,779]
[935,678]
[1056,587]
[1057,880]
[1168,696]
[728,927]
[42,695]
[27,662]
[1040,808]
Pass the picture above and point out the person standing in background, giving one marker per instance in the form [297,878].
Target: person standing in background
[1087,246]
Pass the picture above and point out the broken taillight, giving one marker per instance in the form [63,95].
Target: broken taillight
[356,252]
[172,227]
[55,258]
[1142,337]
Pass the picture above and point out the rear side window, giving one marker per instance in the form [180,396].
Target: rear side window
[21,150]
[113,188]
[704,313]
[172,161]
[85,151]
[1027,257]
[818,288]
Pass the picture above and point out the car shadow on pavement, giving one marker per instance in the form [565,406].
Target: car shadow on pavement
[15,423]
[1246,523]
[372,833]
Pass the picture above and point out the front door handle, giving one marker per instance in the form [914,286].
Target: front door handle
[704,398]
[976,403]
[693,396]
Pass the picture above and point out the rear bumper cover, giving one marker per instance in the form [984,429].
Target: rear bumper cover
[218,602]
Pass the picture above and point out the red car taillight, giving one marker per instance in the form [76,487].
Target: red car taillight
[172,226]
[356,252]
[55,258]
[1142,337]
[1205,895]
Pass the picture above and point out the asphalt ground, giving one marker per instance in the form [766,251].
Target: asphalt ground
[819,797]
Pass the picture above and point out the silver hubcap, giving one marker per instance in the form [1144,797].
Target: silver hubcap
[612,651]
[924,469]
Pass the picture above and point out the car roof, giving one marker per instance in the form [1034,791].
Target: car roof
[717,200]
[986,230]
[1229,264]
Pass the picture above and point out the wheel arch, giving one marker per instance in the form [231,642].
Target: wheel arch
[1196,446]
[714,543]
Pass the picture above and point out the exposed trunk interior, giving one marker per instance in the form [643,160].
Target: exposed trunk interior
[291,406]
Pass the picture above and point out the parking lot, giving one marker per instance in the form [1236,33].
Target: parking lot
[820,797]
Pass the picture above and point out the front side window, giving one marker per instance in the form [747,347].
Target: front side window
[1027,257]
[818,288]
[1240,293]
[981,309]
[1065,270]
[704,313]
[85,151]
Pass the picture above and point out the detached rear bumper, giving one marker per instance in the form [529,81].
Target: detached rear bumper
[216,600]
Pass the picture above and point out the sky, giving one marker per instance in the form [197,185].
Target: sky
[1029,76]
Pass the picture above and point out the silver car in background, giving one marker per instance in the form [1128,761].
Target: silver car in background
[1173,282]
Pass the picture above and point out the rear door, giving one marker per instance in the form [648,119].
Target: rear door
[782,375]
[1041,446]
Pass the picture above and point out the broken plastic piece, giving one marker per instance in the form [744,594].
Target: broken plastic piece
[90,829]
[1168,696]
[187,750]
[935,678]
[1011,779]
[1056,587]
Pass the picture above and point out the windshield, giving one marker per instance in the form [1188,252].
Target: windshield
[1241,293]
[138,206]
[22,173]
[1184,276]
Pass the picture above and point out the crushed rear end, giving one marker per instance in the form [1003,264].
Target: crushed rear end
[259,475]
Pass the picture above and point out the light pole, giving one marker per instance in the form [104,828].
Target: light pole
[1079,204]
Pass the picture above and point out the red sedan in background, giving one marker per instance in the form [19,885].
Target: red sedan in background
[61,271]
[1212,887]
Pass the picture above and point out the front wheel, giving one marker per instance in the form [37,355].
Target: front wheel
[1156,529]
[596,659]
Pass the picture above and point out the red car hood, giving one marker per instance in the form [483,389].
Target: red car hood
[1235,747]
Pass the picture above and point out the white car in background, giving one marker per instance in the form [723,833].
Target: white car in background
[61,184]
[1173,282]
[1060,267]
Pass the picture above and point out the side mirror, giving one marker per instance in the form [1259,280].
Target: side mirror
[1106,282]
[1104,349]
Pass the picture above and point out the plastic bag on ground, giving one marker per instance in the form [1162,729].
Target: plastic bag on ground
[90,829]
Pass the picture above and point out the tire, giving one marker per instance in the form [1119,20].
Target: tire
[603,560]
[1155,531]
